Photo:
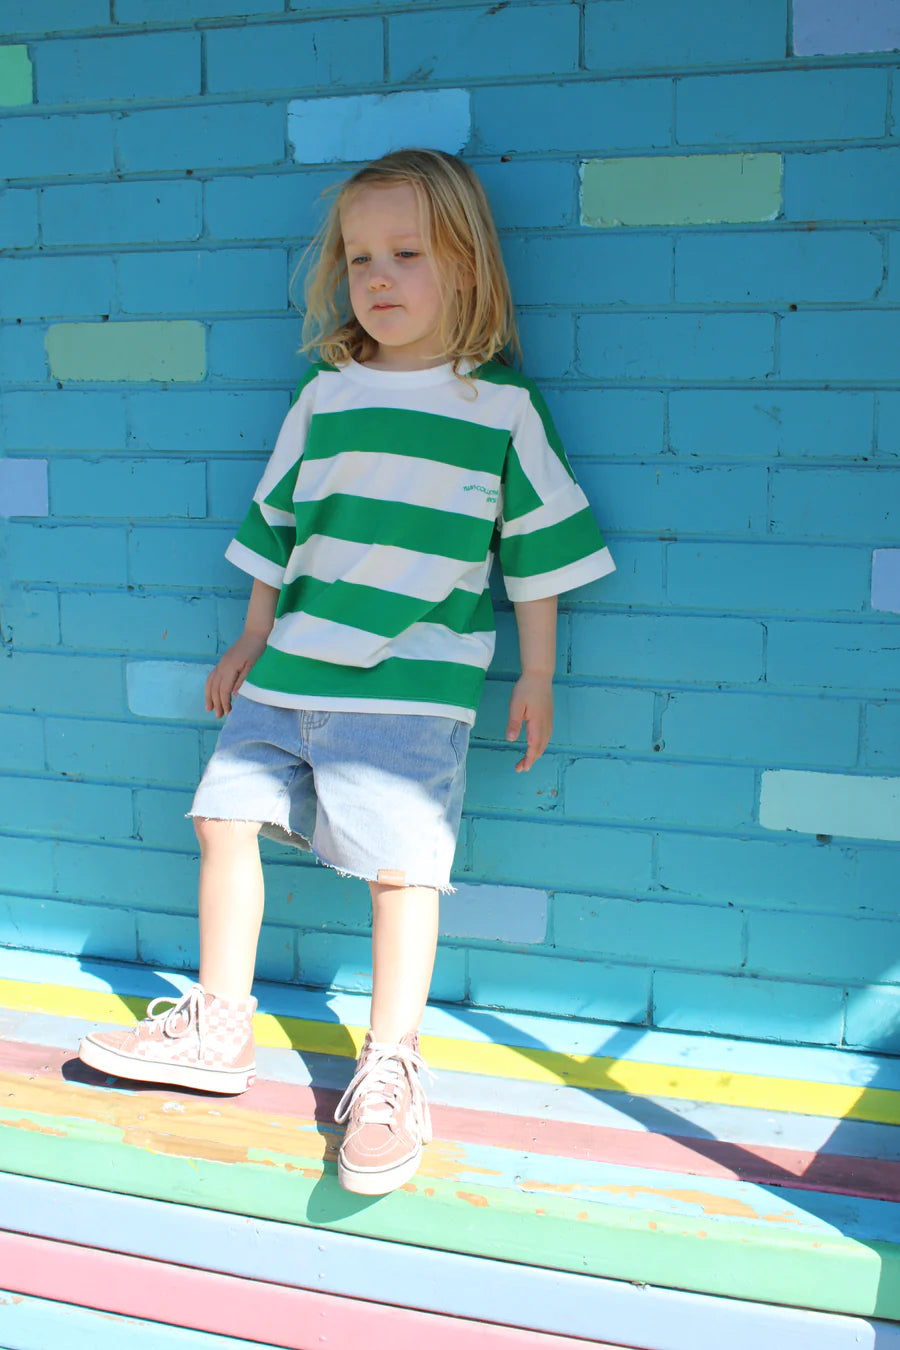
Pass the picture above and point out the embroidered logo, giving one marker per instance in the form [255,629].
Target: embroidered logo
[492,494]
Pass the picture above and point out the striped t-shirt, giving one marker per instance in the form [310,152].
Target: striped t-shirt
[377,518]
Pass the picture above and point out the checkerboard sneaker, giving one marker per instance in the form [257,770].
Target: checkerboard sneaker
[386,1115]
[202,1042]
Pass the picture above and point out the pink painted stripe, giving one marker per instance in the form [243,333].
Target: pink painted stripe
[230,1305]
[838,1174]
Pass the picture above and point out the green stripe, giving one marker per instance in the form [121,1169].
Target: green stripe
[366,520]
[398,431]
[282,494]
[519,497]
[385,612]
[527,555]
[273,542]
[495,373]
[316,368]
[394,678]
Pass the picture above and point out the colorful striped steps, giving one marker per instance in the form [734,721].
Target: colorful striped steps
[561,1178]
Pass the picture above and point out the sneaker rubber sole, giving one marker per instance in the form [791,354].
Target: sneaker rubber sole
[380,1181]
[229,1082]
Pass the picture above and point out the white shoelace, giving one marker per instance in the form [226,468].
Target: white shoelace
[378,1081]
[193,1004]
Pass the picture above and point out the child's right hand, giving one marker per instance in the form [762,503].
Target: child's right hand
[228,675]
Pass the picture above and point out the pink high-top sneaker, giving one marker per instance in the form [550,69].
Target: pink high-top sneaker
[387,1117]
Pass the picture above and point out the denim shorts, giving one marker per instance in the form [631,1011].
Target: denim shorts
[374,795]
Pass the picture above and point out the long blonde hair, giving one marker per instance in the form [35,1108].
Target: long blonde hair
[478,322]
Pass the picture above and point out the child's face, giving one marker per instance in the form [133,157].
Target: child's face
[394,290]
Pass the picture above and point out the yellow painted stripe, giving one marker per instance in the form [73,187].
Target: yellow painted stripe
[606,1073]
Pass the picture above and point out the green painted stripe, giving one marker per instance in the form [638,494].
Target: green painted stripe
[423,529]
[272,542]
[528,555]
[459,442]
[385,612]
[395,678]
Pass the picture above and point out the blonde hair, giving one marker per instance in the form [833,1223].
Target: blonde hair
[478,322]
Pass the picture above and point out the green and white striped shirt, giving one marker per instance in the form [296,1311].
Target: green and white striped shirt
[377,518]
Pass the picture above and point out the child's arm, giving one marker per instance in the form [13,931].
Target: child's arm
[228,675]
[532,697]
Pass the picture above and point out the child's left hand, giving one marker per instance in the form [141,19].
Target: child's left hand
[531,701]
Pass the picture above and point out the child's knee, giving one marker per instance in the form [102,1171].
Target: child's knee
[211,832]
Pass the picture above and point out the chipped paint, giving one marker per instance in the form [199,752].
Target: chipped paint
[25,1124]
[708,1202]
[479,1201]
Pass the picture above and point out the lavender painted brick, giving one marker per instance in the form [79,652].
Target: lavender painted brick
[832,28]
[167,689]
[886,580]
[515,914]
[23,487]
[365,126]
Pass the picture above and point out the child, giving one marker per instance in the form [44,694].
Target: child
[410,451]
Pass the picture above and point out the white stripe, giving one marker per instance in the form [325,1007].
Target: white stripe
[568,501]
[290,443]
[324,640]
[372,705]
[272,515]
[539,587]
[542,466]
[480,401]
[255,564]
[400,478]
[422,576]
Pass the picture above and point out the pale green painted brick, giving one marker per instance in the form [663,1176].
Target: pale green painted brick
[680,190]
[16,79]
[173,351]
[852,806]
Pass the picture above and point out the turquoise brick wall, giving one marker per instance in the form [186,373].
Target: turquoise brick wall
[699,207]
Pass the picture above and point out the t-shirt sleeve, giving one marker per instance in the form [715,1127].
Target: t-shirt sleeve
[266,537]
[549,539]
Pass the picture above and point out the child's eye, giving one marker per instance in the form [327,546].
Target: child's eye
[360,258]
[407,253]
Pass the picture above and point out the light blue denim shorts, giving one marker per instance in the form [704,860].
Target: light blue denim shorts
[374,795]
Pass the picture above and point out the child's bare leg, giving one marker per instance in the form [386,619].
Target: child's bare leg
[231,905]
[404,942]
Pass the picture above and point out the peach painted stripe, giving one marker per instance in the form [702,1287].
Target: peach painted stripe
[839,1174]
[233,1306]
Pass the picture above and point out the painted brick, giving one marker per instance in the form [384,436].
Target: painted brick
[231,612]
[638,578]
[774,578]
[785,268]
[581,117]
[537,40]
[21,743]
[309,897]
[30,617]
[231,487]
[46,16]
[320,54]
[236,135]
[52,806]
[23,487]
[656,932]
[161,819]
[121,213]
[366,126]
[63,420]
[132,488]
[267,206]
[37,288]
[534,195]
[841,345]
[642,34]
[344,961]
[760,728]
[667,649]
[172,940]
[493,784]
[609,421]
[22,356]
[27,864]
[18,219]
[832,655]
[79,553]
[886,580]
[55,147]
[849,805]
[592,717]
[548,341]
[136,351]
[680,190]
[677,499]
[792,423]
[583,989]
[126,874]
[177,11]
[739,1005]
[852,504]
[256,349]
[134,754]
[888,437]
[42,925]
[149,66]
[782,106]
[842,185]
[495,914]
[209,419]
[827,949]
[202,282]
[32,681]
[892,290]
[873,1019]
[16,77]
[830,28]
[590,269]
[673,347]
[168,689]
[640,792]
[126,622]
[557,856]
[787,875]
[177,557]
[882,741]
